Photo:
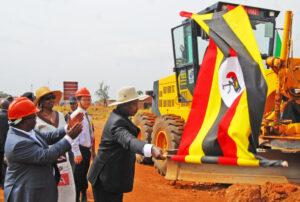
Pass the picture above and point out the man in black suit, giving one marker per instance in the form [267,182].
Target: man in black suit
[112,171]
[3,133]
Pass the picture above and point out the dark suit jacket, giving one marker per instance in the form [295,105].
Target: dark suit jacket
[114,164]
[3,129]
[29,175]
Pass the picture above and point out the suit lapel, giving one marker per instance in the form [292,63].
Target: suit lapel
[39,137]
[28,137]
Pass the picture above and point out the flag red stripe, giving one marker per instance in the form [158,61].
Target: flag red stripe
[178,158]
[227,144]
[227,161]
[200,100]
[232,53]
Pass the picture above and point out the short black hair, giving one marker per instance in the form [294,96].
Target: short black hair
[29,95]
[72,100]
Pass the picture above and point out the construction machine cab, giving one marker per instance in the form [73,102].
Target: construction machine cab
[190,43]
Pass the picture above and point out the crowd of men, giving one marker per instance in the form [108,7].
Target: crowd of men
[29,154]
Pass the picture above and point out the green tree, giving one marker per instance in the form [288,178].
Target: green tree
[139,92]
[102,92]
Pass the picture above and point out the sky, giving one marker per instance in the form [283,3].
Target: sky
[122,43]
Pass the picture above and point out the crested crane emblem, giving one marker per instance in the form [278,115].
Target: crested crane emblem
[232,83]
[231,80]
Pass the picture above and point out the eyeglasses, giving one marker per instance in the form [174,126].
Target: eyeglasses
[49,97]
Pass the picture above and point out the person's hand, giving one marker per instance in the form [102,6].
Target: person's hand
[75,130]
[76,119]
[4,160]
[78,159]
[157,153]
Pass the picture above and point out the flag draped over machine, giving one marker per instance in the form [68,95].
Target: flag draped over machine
[229,97]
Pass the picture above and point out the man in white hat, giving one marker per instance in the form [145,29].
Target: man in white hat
[112,171]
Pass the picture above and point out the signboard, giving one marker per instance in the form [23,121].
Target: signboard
[70,88]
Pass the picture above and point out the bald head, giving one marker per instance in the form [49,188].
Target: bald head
[4,104]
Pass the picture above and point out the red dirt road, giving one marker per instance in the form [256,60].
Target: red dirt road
[150,186]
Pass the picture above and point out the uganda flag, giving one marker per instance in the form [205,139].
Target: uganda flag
[230,93]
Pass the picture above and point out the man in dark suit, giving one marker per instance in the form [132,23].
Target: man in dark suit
[32,175]
[3,133]
[112,171]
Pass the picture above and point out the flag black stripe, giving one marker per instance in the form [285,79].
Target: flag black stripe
[255,83]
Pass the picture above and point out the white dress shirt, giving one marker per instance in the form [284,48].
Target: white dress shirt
[84,138]
[147,150]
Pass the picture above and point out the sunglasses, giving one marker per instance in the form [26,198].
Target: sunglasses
[49,97]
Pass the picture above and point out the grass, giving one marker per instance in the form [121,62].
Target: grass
[96,112]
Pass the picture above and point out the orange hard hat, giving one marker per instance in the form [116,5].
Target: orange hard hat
[82,92]
[21,107]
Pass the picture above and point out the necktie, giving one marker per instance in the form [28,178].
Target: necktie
[90,128]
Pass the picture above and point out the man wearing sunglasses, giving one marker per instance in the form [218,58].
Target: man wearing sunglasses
[83,144]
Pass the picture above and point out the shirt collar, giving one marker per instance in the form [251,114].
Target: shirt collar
[79,109]
[23,131]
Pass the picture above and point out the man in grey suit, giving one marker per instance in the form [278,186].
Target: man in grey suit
[112,171]
[3,133]
[32,174]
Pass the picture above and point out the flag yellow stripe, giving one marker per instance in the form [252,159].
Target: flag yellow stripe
[241,26]
[193,159]
[240,134]
[213,108]
[247,162]
[199,19]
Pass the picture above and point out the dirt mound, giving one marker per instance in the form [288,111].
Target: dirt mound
[282,192]
[243,192]
[265,192]
[219,189]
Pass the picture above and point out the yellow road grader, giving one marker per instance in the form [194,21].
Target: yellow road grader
[173,96]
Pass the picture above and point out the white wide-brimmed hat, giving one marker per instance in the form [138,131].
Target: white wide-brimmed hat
[127,94]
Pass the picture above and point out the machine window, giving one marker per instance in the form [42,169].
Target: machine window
[183,46]
[202,46]
[263,32]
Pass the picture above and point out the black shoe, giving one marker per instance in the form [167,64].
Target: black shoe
[83,197]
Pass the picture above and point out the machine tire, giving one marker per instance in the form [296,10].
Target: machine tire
[167,132]
[145,122]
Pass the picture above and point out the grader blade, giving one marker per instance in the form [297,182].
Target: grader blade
[236,174]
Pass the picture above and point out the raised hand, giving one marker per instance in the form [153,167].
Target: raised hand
[76,119]
[74,131]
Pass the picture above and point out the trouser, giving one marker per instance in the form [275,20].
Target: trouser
[71,158]
[2,168]
[100,195]
[80,171]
